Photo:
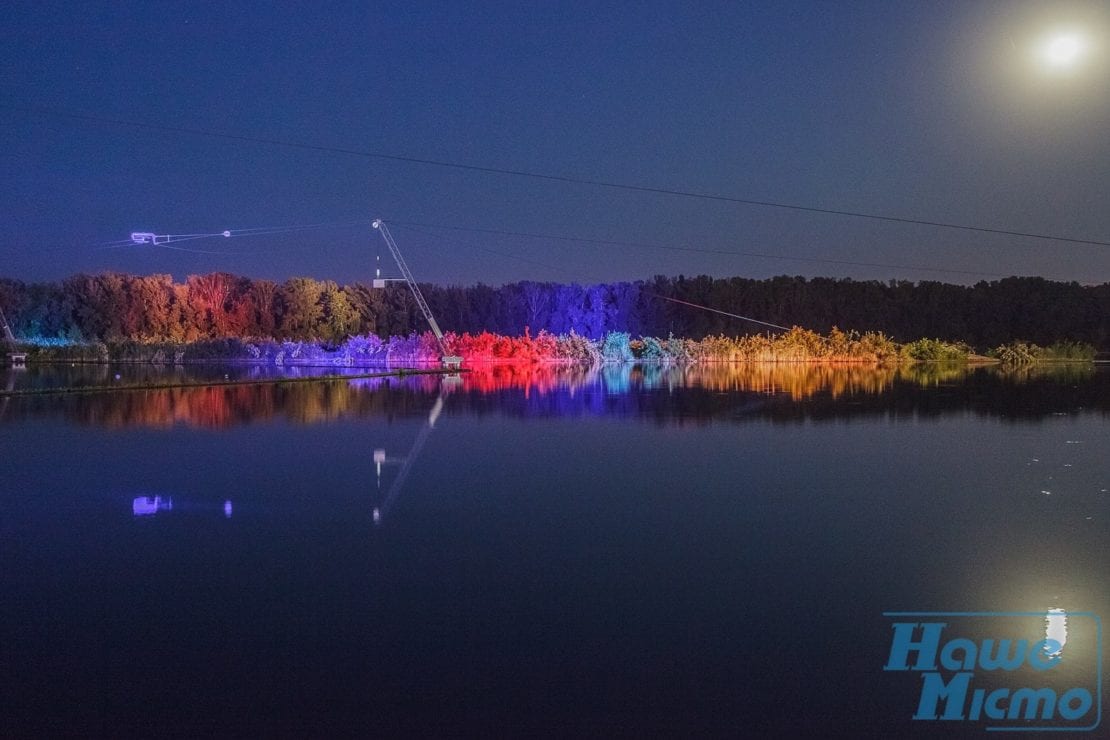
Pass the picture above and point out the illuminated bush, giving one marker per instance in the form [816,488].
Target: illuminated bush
[794,346]
[615,347]
[1068,351]
[877,346]
[576,348]
[935,350]
[652,349]
[675,348]
[1024,353]
[1015,353]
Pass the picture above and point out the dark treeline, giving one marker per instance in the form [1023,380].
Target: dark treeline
[115,307]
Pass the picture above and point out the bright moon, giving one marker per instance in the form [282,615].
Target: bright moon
[1063,51]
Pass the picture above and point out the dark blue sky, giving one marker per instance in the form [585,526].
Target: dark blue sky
[923,110]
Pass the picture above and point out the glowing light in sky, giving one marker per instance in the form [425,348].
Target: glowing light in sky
[1063,50]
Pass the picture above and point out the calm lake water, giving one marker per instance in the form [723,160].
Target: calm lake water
[627,551]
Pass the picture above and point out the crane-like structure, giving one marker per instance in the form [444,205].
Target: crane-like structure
[449,360]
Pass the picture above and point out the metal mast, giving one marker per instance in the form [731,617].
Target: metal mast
[448,360]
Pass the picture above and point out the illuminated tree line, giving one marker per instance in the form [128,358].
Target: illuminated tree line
[118,307]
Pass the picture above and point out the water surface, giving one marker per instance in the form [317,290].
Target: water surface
[627,550]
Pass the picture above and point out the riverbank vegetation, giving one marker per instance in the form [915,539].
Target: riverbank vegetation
[115,308]
[114,317]
[794,346]
[1026,353]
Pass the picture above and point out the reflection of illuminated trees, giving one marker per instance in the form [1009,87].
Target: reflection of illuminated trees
[311,403]
[927,374]
[1065,372]
[798,380]
[552,388]
[226,406]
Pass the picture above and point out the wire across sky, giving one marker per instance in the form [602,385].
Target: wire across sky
[631,187]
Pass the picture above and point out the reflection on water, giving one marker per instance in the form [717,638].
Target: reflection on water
[663,393]
[1056,628]
[150,505]
[798,381]
[145,506]
[570,547]
[76,375]
[406,462]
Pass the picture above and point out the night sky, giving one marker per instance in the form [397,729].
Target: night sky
[928,110]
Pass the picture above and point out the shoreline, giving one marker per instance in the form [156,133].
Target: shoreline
[398,373]
[160,385]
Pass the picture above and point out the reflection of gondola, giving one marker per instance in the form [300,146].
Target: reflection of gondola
[406,462]
[145,506]
[150,505]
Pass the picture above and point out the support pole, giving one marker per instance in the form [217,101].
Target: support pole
[448,360]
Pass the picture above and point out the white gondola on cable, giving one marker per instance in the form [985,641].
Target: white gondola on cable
[147,237]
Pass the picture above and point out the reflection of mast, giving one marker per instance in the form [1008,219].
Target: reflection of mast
[11,387]
[406,462]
